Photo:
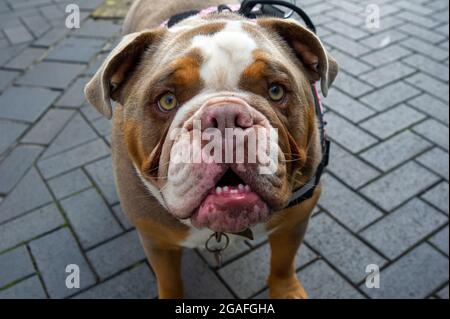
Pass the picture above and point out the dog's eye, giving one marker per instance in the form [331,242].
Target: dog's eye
[168,102]
[276,92]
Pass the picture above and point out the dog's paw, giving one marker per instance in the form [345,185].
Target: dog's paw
[287,289]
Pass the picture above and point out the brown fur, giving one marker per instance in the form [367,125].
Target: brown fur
[134,69]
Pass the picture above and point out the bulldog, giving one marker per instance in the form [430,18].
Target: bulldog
[213,71]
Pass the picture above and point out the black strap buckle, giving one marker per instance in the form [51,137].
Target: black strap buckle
[268,9]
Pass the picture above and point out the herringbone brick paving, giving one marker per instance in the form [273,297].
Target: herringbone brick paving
[386,198]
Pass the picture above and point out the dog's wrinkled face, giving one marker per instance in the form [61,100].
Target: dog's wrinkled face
[207,78]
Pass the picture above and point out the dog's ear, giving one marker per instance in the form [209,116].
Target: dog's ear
[307,47]
[117,66]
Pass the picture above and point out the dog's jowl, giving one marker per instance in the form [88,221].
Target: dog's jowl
[217,132]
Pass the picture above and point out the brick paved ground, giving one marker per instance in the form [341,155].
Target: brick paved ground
[387,191]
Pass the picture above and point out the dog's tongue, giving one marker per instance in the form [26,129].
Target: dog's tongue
[231,210]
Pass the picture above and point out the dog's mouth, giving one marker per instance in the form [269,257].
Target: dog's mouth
[231,206]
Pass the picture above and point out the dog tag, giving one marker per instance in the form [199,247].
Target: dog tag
[218,257]
[217,249]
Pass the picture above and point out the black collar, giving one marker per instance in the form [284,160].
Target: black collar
[307,191]
[249,10]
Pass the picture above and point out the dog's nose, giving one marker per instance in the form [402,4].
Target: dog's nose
[227,116]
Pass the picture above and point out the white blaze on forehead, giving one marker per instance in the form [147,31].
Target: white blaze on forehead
[226,54]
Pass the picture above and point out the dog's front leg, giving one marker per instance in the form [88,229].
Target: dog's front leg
[166,263]
[283,281]
[284,243]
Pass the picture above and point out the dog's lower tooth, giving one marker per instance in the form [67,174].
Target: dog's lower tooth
[241,187]
[247,188]
[226,189]
[219,190]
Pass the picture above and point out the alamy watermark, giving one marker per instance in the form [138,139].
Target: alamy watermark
[373,279]
[231,146]
[73,16]
[73,277]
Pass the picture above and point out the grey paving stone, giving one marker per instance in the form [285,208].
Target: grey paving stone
[47,127]
[248,275]
[6,78]
[383,39]
[28,4]
[69,184]
[116,255]
[425,48]
[71,159]
[15,264]
[37,25]
[51,74]
[52,12]
[30,288]
[349,64]
[434,131]
[430,85]
[418,19]
[51,37]
[9,132]
[349,255]
[402,229]
[90,112]
[436,160]
[350,168]
[18,34]
[426,65]
[90,218]
[346,45]
[422,33]
[53,253]
[14,166]
[96,64]
[343,15]
[443,293]
[416,275]
[124,221]
[76,132]
[29,194]
[9,52]
[351,32]
[322,282]
[439,196]
[73,96]
[413,7]
[137,283]
[200,282]
[400,185]
[26,58]
[347,206]
[387,74]
[389,96]
[29,226]
[347,134]
[441,241]
[431,106]
[26,104]
[393,121]
[98,29]
[103,126]
[396,150]
[388,23]
[347,106]
[386,55]
[102,174]
[75,50]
